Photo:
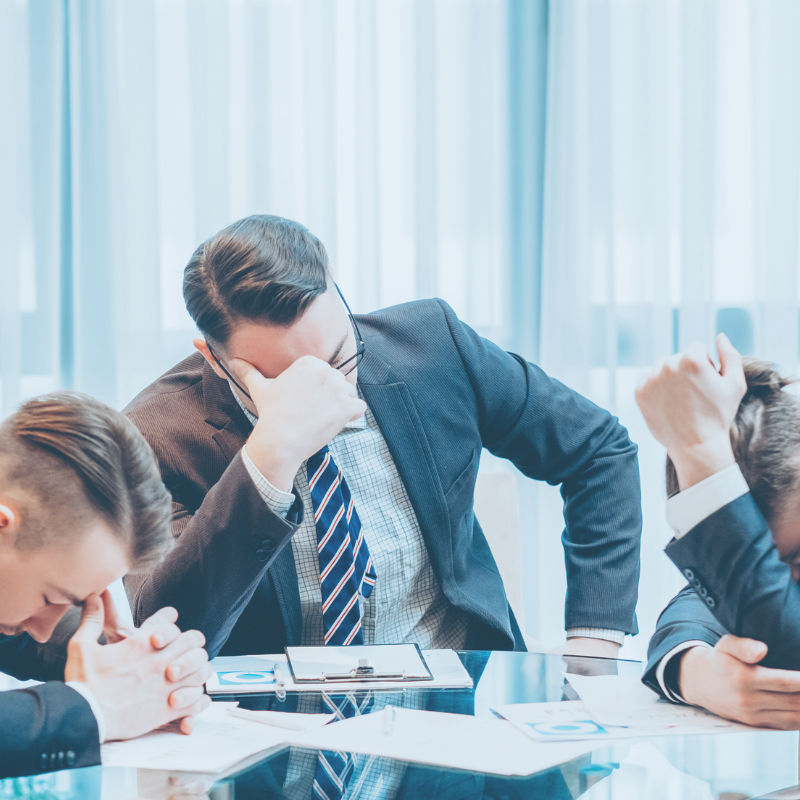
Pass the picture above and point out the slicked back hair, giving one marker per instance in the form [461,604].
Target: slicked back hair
[73,459]
[259,269]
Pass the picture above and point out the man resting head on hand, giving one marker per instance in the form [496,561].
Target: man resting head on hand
[81,504]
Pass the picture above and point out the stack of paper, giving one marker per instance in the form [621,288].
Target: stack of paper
[220,740]
[247,674]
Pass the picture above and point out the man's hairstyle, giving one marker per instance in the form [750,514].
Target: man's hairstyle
[259,269]
[69,459]
[765,437]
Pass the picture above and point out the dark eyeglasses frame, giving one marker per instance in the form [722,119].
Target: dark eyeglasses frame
[361,348]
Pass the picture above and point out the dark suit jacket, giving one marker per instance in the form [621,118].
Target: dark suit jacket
[47,727]
[439,393]
[737,584]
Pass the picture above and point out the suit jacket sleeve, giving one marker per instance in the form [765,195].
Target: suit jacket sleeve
[46,728]
[731,561]
[222,551]
[686,618]
[552,433]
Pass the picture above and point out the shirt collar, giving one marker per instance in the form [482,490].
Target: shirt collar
[356,425]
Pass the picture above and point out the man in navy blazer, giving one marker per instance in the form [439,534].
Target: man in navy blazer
[406,398]
[728,640]
[81,502]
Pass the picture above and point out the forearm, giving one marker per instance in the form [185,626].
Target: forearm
[732,561]
[46,728]
[219,559]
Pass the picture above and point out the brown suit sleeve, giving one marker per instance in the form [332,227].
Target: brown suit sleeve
[221,555]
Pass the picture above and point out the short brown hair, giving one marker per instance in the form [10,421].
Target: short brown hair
[765,437]
[72,457]
[261,269]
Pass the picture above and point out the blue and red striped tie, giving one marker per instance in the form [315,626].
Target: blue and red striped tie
[345,566]
[345,571]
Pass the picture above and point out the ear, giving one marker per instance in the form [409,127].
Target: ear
[9,525]
[202,347]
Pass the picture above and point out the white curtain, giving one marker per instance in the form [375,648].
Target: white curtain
[131,130]
[671,208]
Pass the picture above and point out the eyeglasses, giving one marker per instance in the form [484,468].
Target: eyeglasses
[352,362]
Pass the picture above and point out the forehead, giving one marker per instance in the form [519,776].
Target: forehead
[273,348]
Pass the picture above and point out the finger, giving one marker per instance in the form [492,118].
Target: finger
[781,720]
[187,665]
[359,408]
[248,374]
[114,628]
[730,360]
[198,708]
[749,651]
[92,619]
[164,636]
[164,616]
[782,681]
[187,641]
[185,697]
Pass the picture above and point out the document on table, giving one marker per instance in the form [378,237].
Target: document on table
[248,674]
[403,662]
[220,740]
[478,744]
[623,700]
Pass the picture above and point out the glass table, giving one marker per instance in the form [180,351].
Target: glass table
[722,767]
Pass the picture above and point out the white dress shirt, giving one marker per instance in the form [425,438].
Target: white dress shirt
[685,511]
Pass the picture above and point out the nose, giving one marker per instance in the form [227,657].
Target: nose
[41,626]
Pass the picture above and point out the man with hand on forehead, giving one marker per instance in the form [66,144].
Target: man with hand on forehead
[81,504]
[322,466]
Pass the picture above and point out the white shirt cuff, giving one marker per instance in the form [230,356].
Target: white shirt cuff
[687,509]
[83,690]
[618,637]
[662,666]
[279,502]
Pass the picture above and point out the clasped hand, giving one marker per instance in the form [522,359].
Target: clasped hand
[141,678]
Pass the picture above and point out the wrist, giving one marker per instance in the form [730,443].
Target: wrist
[277,467]
[695,463]
[688,667]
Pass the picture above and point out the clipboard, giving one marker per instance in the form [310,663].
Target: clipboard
[393,663]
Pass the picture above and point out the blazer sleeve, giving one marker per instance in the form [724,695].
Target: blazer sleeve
[221,554]
[687,618]
[732,563]
[44,729]
[551,433]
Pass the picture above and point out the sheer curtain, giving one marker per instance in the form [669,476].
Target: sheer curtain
[131,130]
[671,207]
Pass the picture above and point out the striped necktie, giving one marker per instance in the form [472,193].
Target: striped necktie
[345,569]
[345,566]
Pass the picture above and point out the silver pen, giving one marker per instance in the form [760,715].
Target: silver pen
[280,681]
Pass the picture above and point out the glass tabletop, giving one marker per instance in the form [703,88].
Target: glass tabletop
[722,767]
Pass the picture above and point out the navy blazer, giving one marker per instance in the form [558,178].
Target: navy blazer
[737,584]
[440,393]
[42,728]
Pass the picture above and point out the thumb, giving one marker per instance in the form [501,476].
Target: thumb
[247,373]
[748,651]
[730,359]
[92,620]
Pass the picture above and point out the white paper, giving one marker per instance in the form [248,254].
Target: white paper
[219,741]
[623,700]
[248,674]
[312,663]
[478,744]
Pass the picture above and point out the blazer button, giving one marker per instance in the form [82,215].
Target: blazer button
[689,574]
[71,759]
[262,556]
[61,760]
[43,762]
[268,545]
[710,602]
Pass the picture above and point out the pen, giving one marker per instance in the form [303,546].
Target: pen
[280,681]
[266,718]
[387,723]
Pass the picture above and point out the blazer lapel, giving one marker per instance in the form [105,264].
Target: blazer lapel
[232,429]
[397,416]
